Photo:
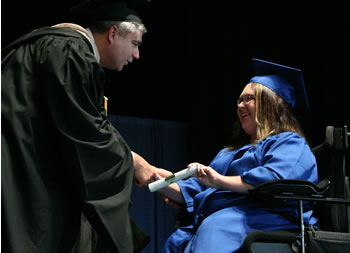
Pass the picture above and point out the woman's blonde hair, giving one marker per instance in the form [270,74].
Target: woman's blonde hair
[273,116]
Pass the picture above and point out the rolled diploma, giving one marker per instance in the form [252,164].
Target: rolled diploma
[182,174]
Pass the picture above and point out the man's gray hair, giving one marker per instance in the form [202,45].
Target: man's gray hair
[125,27]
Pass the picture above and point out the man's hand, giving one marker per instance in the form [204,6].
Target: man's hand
[171,202]
[144,172]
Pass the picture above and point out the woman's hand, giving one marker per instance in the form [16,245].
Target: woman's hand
[207,175]
[211,178]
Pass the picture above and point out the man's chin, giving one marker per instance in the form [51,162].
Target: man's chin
[118,68]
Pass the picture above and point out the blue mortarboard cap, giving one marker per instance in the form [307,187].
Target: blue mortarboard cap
[287,82]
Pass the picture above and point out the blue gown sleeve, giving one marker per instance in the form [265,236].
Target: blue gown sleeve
[283,156]
[189,189]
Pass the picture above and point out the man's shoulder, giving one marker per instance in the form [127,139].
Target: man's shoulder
[44,31]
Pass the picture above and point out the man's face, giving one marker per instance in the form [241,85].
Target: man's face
[123,50]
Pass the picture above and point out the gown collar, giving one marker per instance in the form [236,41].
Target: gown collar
[93,43]
[86,32]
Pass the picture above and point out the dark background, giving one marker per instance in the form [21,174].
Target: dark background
[196,59]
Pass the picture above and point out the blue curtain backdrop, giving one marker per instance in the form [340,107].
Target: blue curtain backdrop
[163,144]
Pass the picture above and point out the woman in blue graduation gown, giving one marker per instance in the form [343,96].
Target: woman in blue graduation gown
[268,144]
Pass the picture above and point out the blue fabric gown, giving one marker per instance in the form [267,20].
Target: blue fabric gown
[222,219]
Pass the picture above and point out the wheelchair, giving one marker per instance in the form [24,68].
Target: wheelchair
[330,199]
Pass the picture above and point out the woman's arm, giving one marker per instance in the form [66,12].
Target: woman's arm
[210,177]
[146,173]
[172,191]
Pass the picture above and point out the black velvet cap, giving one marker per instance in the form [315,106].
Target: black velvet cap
[91,11]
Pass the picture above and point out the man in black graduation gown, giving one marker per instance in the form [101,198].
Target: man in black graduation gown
[60,156]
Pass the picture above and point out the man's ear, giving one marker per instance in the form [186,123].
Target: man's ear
[113,33]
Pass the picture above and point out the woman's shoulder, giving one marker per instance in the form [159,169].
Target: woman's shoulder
[284,137]
[290,135]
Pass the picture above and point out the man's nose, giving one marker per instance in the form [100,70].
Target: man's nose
[136,54]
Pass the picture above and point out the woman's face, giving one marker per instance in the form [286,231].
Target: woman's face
[246,111]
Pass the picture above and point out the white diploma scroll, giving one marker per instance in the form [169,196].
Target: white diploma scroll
[182,174]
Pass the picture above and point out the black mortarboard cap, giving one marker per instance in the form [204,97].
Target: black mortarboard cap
[91,11]
[286,81]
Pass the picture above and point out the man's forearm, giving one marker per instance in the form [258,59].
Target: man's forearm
[143,170]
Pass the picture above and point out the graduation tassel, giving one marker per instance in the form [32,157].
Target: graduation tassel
[105,103]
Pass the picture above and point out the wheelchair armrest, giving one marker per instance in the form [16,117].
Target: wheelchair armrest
[291,187]
[270,238]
